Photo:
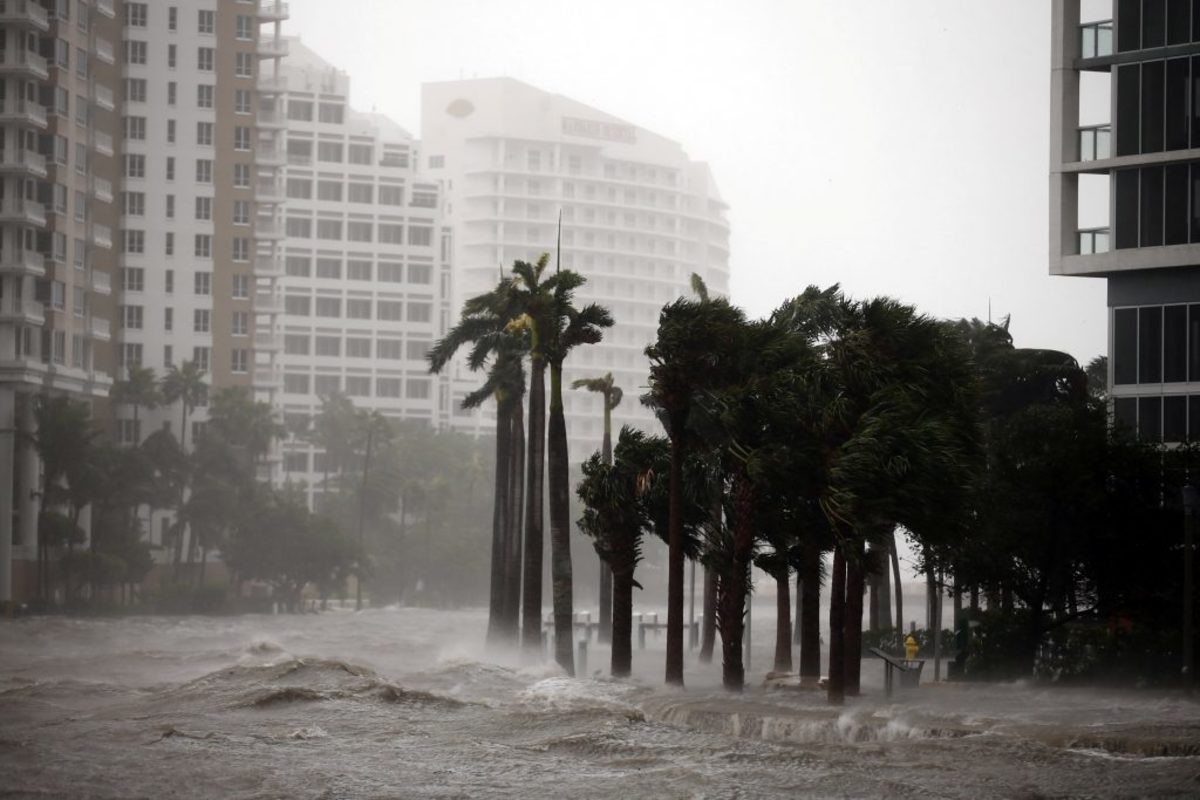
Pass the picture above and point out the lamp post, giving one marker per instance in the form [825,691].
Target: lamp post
[1191,502]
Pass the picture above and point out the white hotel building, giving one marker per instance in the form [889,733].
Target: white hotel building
[638,218]
[367,269]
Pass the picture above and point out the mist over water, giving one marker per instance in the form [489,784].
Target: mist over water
[405,703]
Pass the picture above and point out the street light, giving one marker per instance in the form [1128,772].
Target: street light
[1191,503]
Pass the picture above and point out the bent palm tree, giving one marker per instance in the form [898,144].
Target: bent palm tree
[138,390]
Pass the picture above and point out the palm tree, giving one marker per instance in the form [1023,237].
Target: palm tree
[610,395]
[184,384]
[245,422]
[140,390]
[334,429]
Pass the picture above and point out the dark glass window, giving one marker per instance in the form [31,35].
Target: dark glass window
[1129,25]
[1178,87]
[1125,346]
[1126,217]
[1175,330]
[1179,21]
[1194,343]
[1194,418]
[1125,413]
[1150,419]
[1175,418]
[1196,20]
[1129,107]
[1176,209]
[1154,23]
[1152,106]
[1151,223]
[1150,344]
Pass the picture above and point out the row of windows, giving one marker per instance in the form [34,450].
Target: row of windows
[574,163]
[354,191]
[135,167]
[358,231]
[131,354]
[333,113]
[302,344]
[137,52]
[1154,109]
[133,242]
[357,270]
[134,129]
[133,279]
[1143,24]
[357,308]
[137,15]
[132,317]
[1170,418]
[1156,344]
[1157,205]
[356,386]
[136,91]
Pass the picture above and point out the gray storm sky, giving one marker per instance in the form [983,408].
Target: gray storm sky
[898,148]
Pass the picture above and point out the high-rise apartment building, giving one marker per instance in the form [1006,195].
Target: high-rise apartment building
[1141,59]
[58,89]
[638,218]
[367,272]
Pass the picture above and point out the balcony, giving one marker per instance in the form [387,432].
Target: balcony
[101,329]
[269,191]
[23,161]
[24,262]
[267,341]
[1093,241]
[103,97]
[268,303]
[268,378]
[269,156]
[268,267]
[1096,39]
[102,143]
[101,282]
[272,11]
[21,211]
[16,309]
[23,112]
[102,190]
[24,12]
[272,84]
[1095,142]
[104,50]
[106,8]
[268,228]
[102,236]
[270,119]
[272,48]
[297,159]
[23,63]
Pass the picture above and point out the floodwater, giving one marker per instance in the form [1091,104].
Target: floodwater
[402,703]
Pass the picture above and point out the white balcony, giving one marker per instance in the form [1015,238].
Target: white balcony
[24,63]
[26,13]
[101,282]
[103,97]
[268,228]
[272,48]
[102,190]
[1096,39]
[16,309]
[268,303]
[267,191]
[21,211]
[102,236]
[272,84]
[106,8]
[104,50]
[272,11]
[268,378]
[269,156]
[1094,240]
[101,329]
[23,112]
[267,341]
[270,119]
[295,159]
[23,161]
[267,266]
[24,262]
[1095,142]
[102,143]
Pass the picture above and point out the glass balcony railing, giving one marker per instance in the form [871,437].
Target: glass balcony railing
[1095,142]
[1093,241]
[1096,39]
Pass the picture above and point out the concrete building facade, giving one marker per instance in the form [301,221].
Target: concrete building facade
[638,218]
[1141,59]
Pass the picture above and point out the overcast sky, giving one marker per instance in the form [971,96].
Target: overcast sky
[897,148]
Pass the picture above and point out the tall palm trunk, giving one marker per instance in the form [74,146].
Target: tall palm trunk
[734,586]
[675,554]
[883,578]
[899,586]
[783,622]
[604,633]
[531,634]
[799,607]
[855,583]
[515,498]
[837,629]
[622,607]
[810,614]
[708,626]
[560,527]
[496,594]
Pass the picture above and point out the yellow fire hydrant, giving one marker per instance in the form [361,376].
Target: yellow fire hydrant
[910,648]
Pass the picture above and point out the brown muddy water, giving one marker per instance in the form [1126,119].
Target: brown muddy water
[404,703]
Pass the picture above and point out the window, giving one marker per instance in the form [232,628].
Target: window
[296,344]
[171,51]
[424,199]
[330,152]
[243,66]
[420,235]
[329,268]
[240,323]
[241,138]
[168,319]
[134,128]
[133,279]
[172,18]
[389,349]
[358,231]
[329,229]
[391,195]
[418,349]
[131,317]
[204,134]
[298,266]
[329,307]
[240,359]
[201,318]
[204,59]
[241,287]
[135,15]
[390,310]
[241,101]
[202,283]
[297,305]
[295,383]
[419,311]
[133,241]
[299,227]
[135,52]
[360,154]
[204,171]
[391,233]
[300,110]
[391,273]
[325,385]
[358,270]
[169,281]
[241,176]
[131,355]
[358,386]
[244,29]
[328,346]
[204,95]
[329,190]
[135,90]
[169,243]
[387,387]
[241,248]
[299,188]
[358,308]
[170,131]
[133,204]
[330,112]
[170,168]
[204,208]
[200,357]
[170,206]
[360,193]
[420,273]
[417,389]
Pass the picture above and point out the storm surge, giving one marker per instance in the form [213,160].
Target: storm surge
[405,703]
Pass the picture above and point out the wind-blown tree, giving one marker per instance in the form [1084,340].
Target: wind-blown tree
[690,356]
[139,390]
[184,384]
[245,422]
[335,430]
[610,397]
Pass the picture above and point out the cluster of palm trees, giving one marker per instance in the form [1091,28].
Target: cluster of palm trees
[529,316]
